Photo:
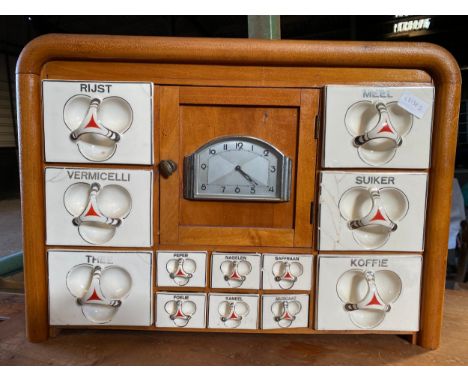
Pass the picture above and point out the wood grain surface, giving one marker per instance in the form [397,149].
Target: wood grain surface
[105,347]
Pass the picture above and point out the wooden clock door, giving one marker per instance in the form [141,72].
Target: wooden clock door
[189,117]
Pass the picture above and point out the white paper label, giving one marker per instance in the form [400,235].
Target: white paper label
[413,105]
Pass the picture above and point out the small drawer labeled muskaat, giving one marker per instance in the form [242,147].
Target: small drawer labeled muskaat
[287,271]
[183,310]
[237,311]
[235,270]
[378,126]
[285,311]
[356,292]
[179,268]
[372,211]
[105,207]
[100,288]
[108,122]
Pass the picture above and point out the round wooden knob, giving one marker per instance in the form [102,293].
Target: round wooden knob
[167,167]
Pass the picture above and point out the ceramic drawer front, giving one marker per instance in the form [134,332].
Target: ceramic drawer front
[287,272]
[356,292]
[372,211]
[108,122]
[235,270]
[106,207]
[285,311]
[183,310]
[181,268]
[378,126]
[100,288]
[237,311]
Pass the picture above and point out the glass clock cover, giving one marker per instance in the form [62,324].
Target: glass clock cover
[237,168]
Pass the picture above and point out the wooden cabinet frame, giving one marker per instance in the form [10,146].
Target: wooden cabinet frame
[237,63]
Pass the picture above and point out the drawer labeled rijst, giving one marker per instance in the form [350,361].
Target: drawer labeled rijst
[108,122]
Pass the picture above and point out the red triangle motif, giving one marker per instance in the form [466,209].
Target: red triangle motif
[92,123]
[94,296]
[180,272]
[233,316]
[179,314]
[91,211]
[288,276]
[378,216]
[374,301]
[235,276]
[386,129]
[286,316]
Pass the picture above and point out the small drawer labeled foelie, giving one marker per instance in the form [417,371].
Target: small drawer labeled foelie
[378,126]
[106,207]
[100,288]
[233,311]
[287,271]
[98,122]
[187,310]
[368,292]
[181,269]
[235,270]
[372,211]
[285,311]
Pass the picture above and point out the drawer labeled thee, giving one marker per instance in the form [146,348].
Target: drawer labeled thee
[285,311]
[378,126]
[357,292]
[106,207]
[187,310]
[98,122]
[287,271]
[181,269]
[235,270]
[372,211]
[233,311]
[100,288]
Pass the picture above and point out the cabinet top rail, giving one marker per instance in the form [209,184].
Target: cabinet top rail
[437,61]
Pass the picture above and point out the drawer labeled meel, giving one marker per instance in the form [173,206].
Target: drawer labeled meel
[106,207]
[233,311]
[287,271]
[183,268]
[356,292]
[378,126]
[184,310]
[100,288]
[372,211]
[285,311]
[108,122]
[235,270]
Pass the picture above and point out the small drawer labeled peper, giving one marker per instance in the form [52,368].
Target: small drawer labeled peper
[108,122]
[100,288]
[378,126]
[357,292]
[106,207]
[285,311]
[181,269]
[372,211]
[235,270]
[287,271]
[233,311]
[187,310]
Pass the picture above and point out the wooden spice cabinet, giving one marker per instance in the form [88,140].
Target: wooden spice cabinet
[254,82]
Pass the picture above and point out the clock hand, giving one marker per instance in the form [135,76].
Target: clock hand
[245,175]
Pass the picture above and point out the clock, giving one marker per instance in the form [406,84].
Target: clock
[237,168]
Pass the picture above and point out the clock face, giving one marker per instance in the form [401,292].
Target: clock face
[237,168]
